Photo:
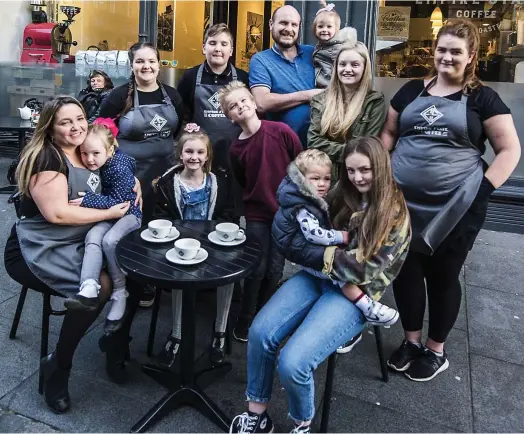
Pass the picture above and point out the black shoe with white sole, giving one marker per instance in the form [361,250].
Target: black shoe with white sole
[250,422]
[427,367]
[349,345]
[402,358]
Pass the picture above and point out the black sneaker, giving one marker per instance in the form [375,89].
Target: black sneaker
[217,351]
[349,345]
[401,359]
[148,296]
[167,357]
[249,422]
[241,330]
[427,367]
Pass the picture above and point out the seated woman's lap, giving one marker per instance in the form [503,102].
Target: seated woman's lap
[319,318]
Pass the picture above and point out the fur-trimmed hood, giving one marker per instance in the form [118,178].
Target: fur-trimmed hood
[295,191]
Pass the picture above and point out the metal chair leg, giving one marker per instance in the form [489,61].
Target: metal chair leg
[381,357]
[328,391]
[46,312]
[18,312]
[154,318]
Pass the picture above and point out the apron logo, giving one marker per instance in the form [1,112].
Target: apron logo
[431,114]
[214,100]
[93,182]
[158,122]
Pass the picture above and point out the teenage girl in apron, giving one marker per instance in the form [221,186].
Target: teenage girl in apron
[437,163]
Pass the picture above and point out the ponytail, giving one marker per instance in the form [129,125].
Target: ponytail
[130,95]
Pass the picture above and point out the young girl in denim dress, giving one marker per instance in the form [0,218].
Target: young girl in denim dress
[190,191]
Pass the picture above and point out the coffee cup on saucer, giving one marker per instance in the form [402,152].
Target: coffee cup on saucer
[161,228]
[187,248]
[229,232]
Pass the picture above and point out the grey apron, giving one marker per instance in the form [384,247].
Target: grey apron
[221,131]
[436,166]
[146,134]
[54,253]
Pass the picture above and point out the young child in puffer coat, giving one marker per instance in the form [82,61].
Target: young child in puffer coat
[303,218]
[326,28]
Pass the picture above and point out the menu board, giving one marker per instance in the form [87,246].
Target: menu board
[393,22]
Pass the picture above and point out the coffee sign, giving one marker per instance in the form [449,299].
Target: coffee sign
[393,22]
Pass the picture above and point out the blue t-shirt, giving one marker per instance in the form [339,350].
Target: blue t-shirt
[271,69]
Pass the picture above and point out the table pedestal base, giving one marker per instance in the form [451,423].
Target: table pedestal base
[185,391]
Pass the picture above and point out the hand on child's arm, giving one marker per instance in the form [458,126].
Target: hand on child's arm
[78,201]
[345,237]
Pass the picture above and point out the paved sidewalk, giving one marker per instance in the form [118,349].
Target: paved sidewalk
[481,391]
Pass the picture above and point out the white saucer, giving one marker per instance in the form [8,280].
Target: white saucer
[213,237]
[172,256]
[146,236]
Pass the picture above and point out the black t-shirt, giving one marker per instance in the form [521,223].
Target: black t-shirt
[50,162]
[116,101]
[483,103]
[186,86]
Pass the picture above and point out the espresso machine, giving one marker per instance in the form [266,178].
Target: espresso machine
[48,43]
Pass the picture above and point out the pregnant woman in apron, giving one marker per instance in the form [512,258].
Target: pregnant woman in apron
[149,116]
[439,127]
[46,246]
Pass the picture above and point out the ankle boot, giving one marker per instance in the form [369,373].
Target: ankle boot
[217,350]
[56,383]
[116,348]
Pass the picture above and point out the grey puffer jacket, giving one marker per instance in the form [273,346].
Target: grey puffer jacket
[326,52]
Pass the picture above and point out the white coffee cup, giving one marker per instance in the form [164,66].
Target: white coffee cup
[161,228]
[229,232]
[187,248]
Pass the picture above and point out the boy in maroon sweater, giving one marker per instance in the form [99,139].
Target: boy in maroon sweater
[259,160]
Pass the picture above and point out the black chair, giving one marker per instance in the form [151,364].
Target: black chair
[330,375]
[154,318]
[47,311]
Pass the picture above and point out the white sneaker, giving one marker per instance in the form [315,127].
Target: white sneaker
[381,315]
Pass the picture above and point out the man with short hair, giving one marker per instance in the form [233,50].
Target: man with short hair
[282,78]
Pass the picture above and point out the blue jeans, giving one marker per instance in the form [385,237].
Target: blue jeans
[319,319]
[102,240]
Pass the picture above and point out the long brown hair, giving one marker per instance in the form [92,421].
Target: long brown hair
[132,83]
[343,108]
[386,207]
[463,29]
[41,148]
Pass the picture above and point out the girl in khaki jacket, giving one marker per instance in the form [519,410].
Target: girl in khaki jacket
[348,108]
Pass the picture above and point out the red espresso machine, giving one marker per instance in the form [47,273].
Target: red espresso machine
[48,43]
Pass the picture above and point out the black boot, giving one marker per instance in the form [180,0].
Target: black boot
[217,350]
[56,383]
[116,347]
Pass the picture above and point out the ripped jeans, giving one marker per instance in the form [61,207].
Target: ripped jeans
[319,319]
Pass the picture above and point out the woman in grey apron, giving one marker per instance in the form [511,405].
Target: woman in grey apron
[149,116]
[46,246]
[441,126]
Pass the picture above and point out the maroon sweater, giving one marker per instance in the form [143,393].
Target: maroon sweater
[259,163]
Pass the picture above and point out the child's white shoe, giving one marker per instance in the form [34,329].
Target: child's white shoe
[381,315]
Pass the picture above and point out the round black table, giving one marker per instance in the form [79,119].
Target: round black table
[146,263]
[21,127]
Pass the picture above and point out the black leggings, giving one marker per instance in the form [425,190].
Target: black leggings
[76,323]
[444,293]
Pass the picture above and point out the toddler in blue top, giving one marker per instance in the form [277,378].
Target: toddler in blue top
[100,151]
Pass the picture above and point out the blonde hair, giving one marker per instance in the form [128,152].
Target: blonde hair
[41,149]
[463,29]
[228,90]
[105,135]
[386,207]
[311,157]
[319,15]
[343,108]
[198,135]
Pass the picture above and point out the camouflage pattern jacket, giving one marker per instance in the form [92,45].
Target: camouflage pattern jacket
[376,274]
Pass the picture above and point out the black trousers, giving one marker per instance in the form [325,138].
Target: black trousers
[260,286]
[438,275]
[76,323]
